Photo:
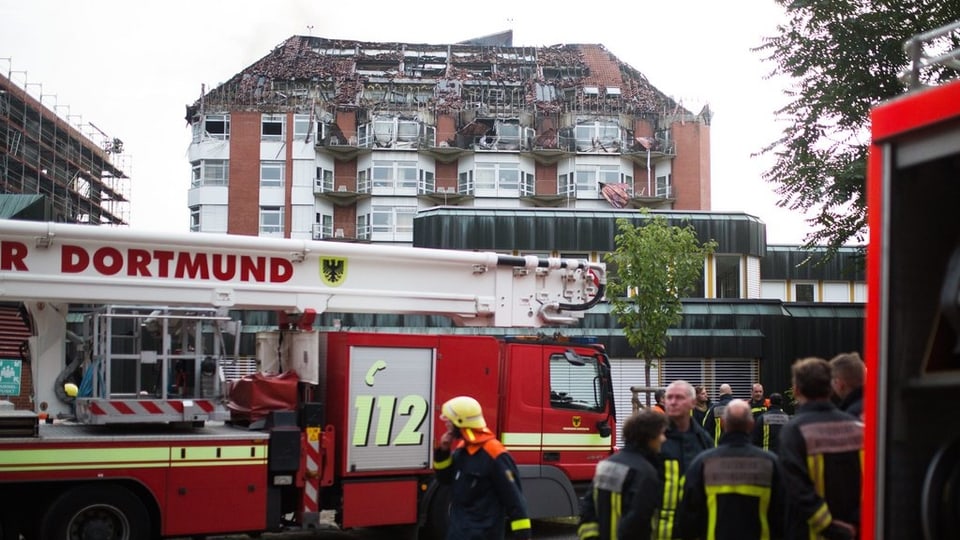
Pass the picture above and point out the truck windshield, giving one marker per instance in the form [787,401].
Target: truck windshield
[573,382]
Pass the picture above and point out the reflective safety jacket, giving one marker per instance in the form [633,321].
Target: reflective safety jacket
[757,408]
[676,454]
[711,422]
[821,453]
[484,488]
[732,492]
[624,498]
[766,432]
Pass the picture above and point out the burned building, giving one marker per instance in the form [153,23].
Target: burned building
[345,139]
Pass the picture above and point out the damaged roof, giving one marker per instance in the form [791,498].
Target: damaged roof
[304,70]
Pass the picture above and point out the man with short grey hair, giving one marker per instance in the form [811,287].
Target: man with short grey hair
[685,440]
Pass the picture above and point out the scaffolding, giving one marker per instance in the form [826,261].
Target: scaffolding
[75,166]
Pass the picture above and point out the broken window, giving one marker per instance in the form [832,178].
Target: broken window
[217,126]
[271,127]
[301,127]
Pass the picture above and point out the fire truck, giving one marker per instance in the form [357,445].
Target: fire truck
[911,486]
[158,442]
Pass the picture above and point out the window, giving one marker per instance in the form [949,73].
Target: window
[271,220]
[728,276]
[428,182]
[195,218]
[363,226]
[395,175]
[271,127]
[301,127]
[575,382]
[392,219]
[566,184]
[465,183]
[323,182]
[210,172]
[803,292]
[589,177]
[323,226]
[212,126]
[271,173]
[598,137]
[664,187]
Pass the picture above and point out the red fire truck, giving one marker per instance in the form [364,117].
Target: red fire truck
[911,485]
[140,324]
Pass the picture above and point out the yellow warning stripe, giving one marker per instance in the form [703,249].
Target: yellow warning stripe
[42,459]
[555,439]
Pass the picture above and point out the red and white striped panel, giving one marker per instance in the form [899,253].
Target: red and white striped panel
[105,411]
[311,488]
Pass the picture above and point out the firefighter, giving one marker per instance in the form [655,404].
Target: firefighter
[685,440]
[624,498]
[758,405]
[734,491]
[711,422]
[766,432]
[485,484]
[820,450]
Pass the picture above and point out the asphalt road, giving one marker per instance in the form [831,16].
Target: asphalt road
[542,530]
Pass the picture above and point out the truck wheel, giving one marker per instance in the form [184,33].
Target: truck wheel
[105,512]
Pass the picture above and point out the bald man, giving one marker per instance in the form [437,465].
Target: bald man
[711,422]
[734,491]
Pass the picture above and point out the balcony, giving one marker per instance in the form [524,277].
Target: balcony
[647,150]
[444,196]
[659,196]
[342,195]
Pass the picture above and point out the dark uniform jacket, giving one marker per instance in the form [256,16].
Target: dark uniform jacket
[766,432]
[676,454]
[485,488]
[820,451]
[711,422]
[757,408]
[853,403]
[624,498]
[732,492]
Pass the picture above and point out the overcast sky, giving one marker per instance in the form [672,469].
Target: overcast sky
[131,67]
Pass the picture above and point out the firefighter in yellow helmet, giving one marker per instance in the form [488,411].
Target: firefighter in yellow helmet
[484,483]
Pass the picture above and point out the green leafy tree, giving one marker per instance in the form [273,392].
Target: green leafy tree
[842,57]
[656,264]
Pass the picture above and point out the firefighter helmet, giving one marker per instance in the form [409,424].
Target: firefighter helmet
[70,389]
[464,412]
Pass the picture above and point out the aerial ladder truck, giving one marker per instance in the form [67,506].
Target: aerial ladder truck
[136,432]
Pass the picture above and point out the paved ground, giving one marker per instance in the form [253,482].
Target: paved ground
[542,530]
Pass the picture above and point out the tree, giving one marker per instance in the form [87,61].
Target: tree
[656,264]
[843,57]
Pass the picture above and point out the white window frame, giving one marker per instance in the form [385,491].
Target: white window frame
[204,173]
[195,219]
[589,176]
[270,181]
[271,221]
[392,219]
[392,176]
[323,182]
[302,127]
[268,122]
